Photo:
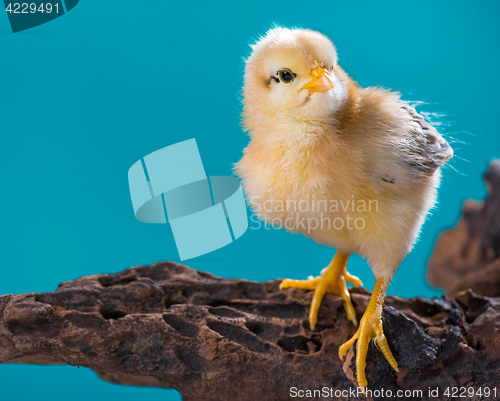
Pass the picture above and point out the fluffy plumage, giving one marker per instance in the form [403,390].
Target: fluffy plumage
[325,152]
[346,144]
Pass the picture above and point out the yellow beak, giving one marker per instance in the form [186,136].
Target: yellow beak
[322,81]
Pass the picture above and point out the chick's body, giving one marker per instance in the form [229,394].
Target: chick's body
[353,165]
[353,168]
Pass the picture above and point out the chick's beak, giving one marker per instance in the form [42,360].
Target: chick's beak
[321,82]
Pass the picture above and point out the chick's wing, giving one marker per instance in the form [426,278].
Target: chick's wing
[428,150]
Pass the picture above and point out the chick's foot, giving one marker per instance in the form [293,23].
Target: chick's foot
[332,279]
[370,327]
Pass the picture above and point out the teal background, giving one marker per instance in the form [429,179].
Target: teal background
[88,94]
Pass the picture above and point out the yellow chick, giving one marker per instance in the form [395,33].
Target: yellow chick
[352,168]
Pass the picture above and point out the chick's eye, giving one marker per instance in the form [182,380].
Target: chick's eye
[286,76]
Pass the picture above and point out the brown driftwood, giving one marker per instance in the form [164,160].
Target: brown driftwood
[469,255]
[220,339]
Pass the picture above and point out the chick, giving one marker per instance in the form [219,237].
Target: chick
[352,168]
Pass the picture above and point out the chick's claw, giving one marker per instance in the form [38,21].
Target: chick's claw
[300,284]
[352,279]
[370,327]
[333,279]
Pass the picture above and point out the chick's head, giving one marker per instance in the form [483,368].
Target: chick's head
[290,73]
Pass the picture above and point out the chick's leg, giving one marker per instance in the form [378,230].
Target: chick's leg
[332,279]
[370,327]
